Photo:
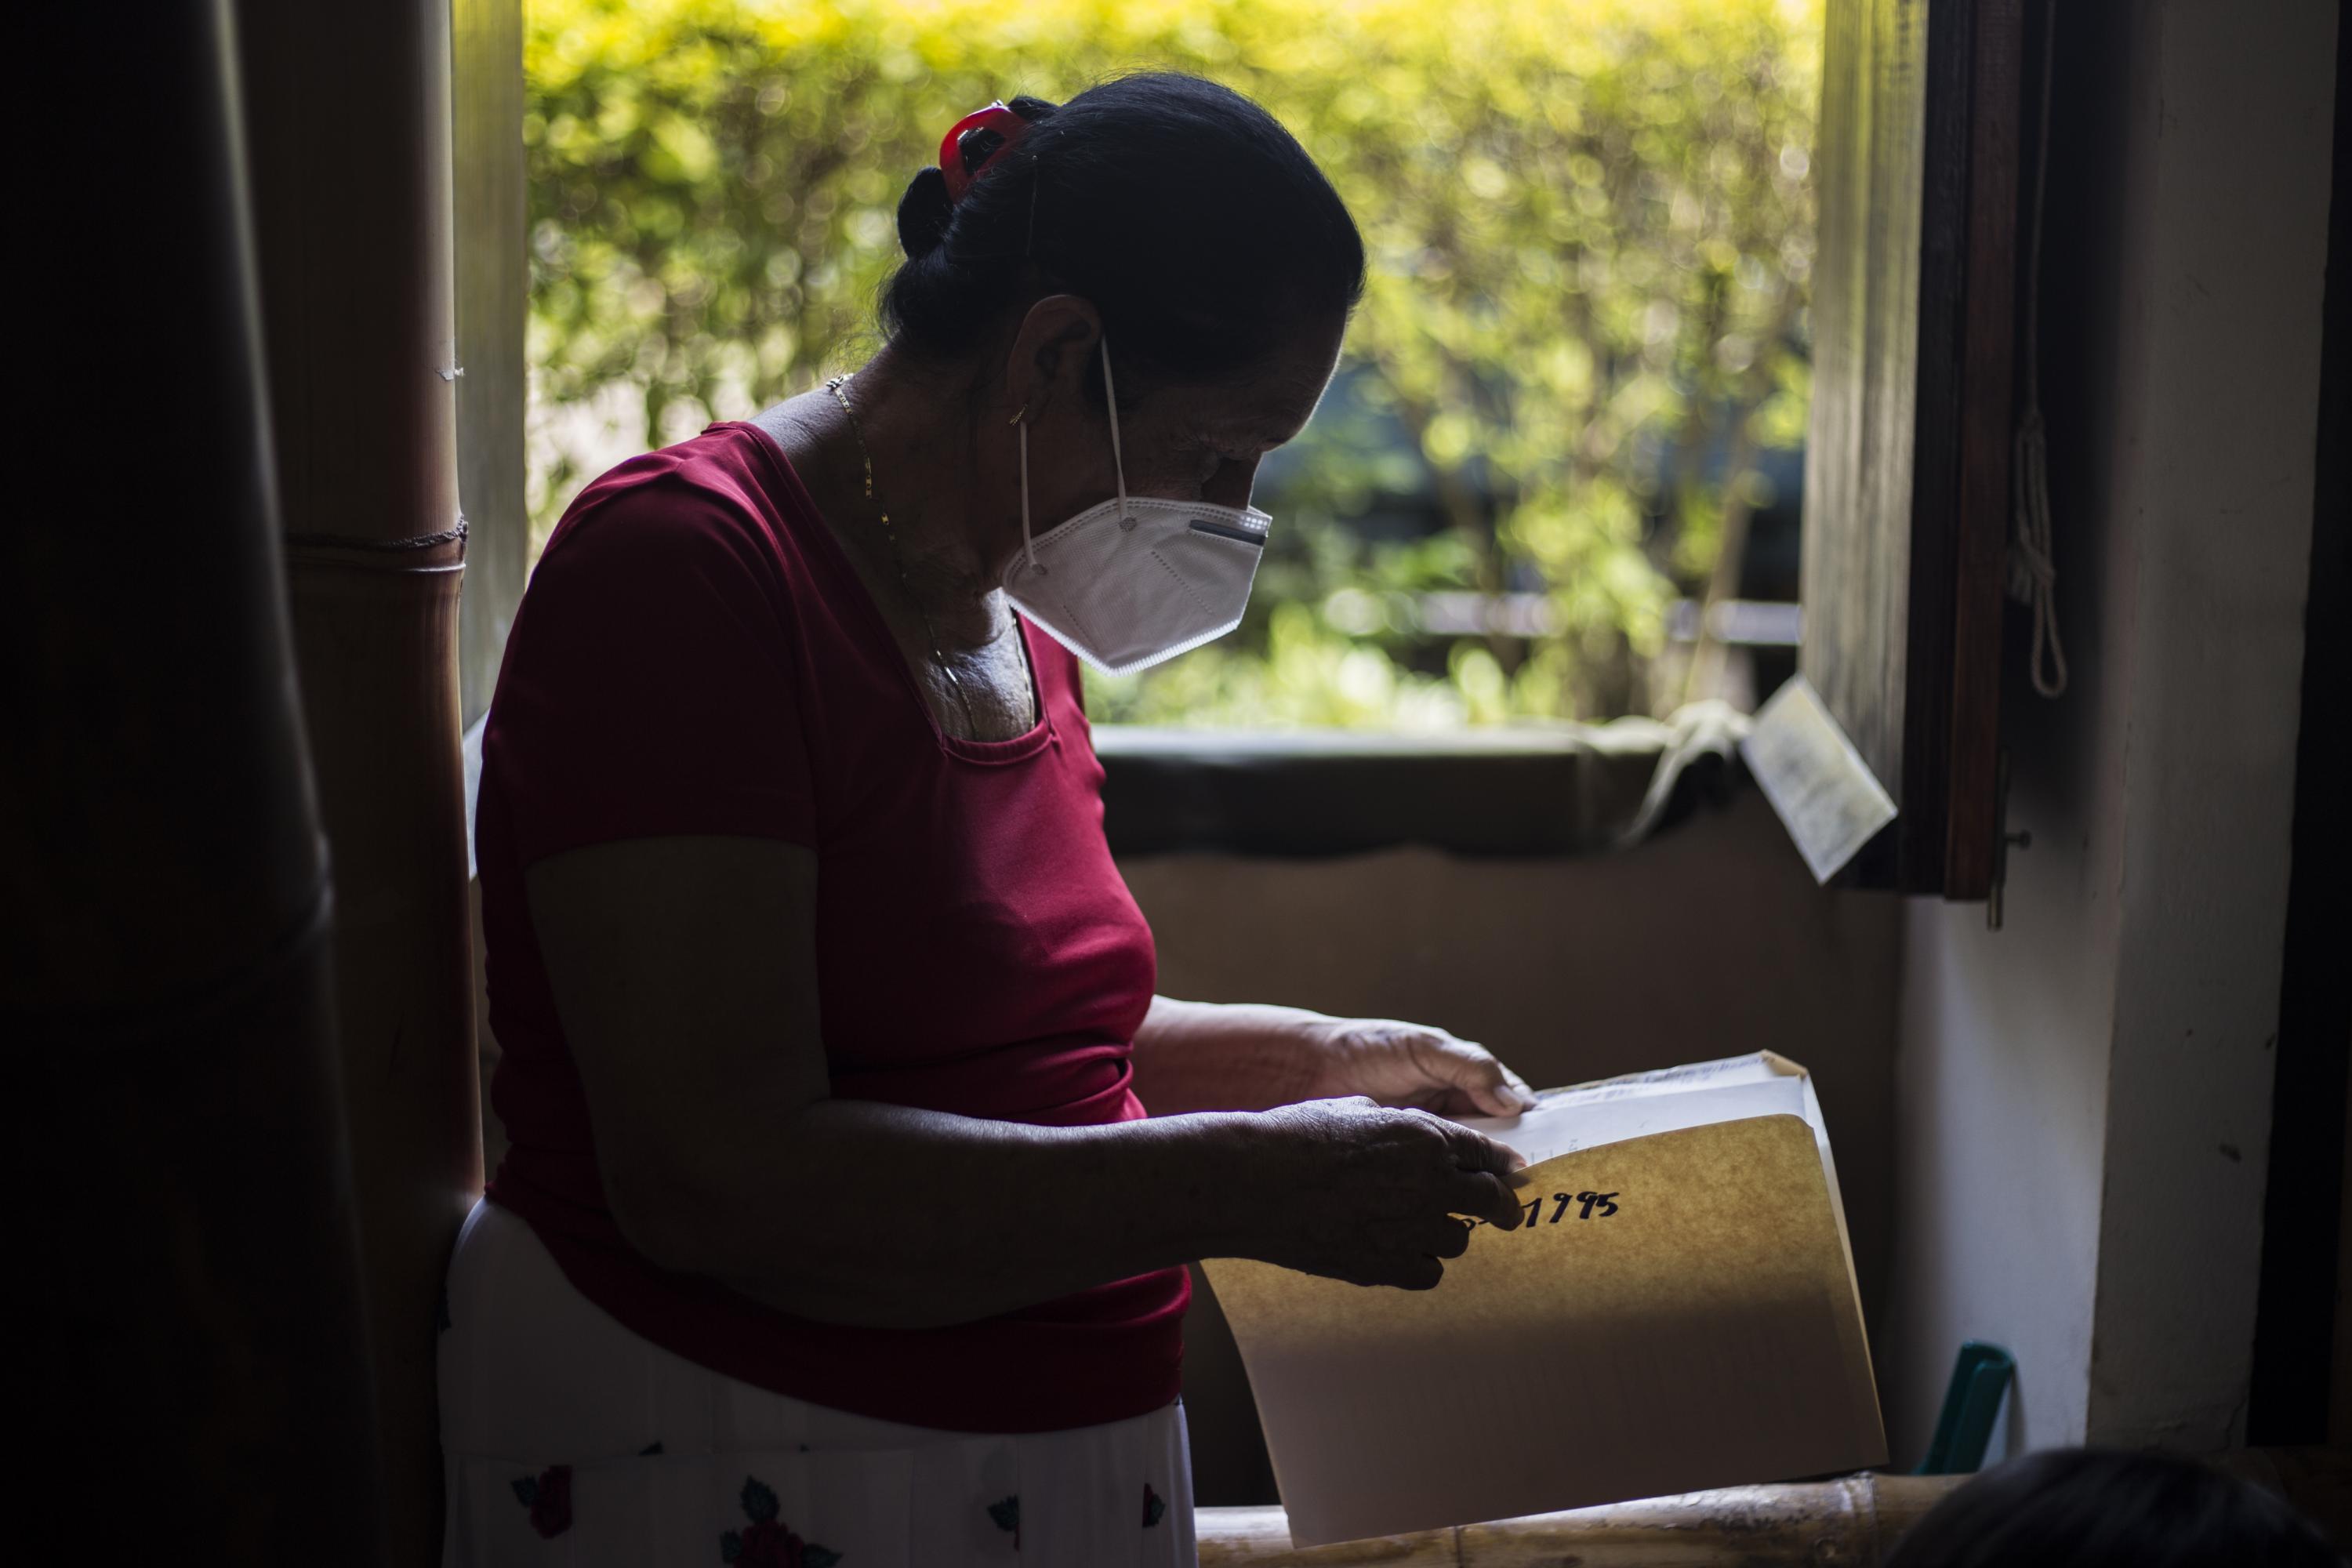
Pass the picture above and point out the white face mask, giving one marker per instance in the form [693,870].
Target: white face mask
[1130,583]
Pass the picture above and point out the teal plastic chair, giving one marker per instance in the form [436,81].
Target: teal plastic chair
[1980,1377]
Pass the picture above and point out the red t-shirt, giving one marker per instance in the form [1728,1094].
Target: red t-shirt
[696,655]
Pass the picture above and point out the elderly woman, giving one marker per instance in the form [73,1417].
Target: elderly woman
[854,1162]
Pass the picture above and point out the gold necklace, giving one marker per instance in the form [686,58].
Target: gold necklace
[972,726]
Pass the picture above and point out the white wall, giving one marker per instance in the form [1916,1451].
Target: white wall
[2083,1099]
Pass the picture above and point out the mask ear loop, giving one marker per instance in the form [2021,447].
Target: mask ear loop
[1028,545]
[1118,465]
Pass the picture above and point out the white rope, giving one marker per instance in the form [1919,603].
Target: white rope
[2033,566]
[1028,545]
[1118,463]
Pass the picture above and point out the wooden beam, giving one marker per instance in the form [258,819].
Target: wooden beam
[1852,1520]
[348,124]
[1981,494]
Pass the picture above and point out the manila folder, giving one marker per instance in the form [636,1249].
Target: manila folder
[1680,1313]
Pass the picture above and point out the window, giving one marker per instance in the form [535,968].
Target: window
[1561,464]
[1559,473]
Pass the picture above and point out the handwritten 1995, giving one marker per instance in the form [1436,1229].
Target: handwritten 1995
[1591,1206]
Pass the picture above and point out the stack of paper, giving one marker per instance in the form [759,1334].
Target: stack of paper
[1681,1313]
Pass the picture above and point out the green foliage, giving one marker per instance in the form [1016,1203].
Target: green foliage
[1590,232]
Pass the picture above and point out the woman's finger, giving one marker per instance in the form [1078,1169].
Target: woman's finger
[1476,1150]
[1448,1239]
[1472,1069]
[1486,1196]
[1418,1273]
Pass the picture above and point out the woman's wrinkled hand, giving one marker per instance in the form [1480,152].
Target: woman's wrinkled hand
[1375,1195]
[1410,1064]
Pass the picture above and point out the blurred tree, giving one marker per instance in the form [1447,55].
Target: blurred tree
[1589,230]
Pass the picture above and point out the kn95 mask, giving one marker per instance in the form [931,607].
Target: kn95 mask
[1130,582]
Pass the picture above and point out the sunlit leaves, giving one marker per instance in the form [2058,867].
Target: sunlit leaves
[1589,233]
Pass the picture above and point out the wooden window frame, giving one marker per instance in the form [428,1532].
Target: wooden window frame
[1907,463]
[492,277]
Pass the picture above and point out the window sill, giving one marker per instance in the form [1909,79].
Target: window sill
[1523,791]
[1516,791]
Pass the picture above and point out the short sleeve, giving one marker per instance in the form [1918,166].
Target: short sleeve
[650,682]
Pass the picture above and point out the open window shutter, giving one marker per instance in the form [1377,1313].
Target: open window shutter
[1906,480]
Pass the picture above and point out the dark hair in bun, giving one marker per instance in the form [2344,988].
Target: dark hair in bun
[923,213]
[1193,221]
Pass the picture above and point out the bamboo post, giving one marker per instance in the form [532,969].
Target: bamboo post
[1852,1520]
[348,121]
[192,1365]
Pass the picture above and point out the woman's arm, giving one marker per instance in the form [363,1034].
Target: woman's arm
[684,974]
[1203,1056]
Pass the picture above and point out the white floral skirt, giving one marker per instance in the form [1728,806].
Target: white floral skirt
[568,1439]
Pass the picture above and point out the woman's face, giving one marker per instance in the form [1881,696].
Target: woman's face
[1179,441]
[1188,442]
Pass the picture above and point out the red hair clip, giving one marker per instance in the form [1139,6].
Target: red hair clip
[996,118]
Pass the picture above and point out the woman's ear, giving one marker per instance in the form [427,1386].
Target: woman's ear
[1050,351]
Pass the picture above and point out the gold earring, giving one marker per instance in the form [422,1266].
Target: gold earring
[1023,413]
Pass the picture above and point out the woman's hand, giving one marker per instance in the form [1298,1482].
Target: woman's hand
[1198,1055]
[1367,1195]
[1410,1065]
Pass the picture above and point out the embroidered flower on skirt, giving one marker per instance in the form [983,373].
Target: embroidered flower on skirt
[766,1543]
[547,1495]
[1007,1515]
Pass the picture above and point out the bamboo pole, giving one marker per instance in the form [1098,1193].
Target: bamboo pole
[190,1366]
[348,122]
[1852,1521]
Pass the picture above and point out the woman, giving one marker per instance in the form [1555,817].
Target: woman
[835,1226]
